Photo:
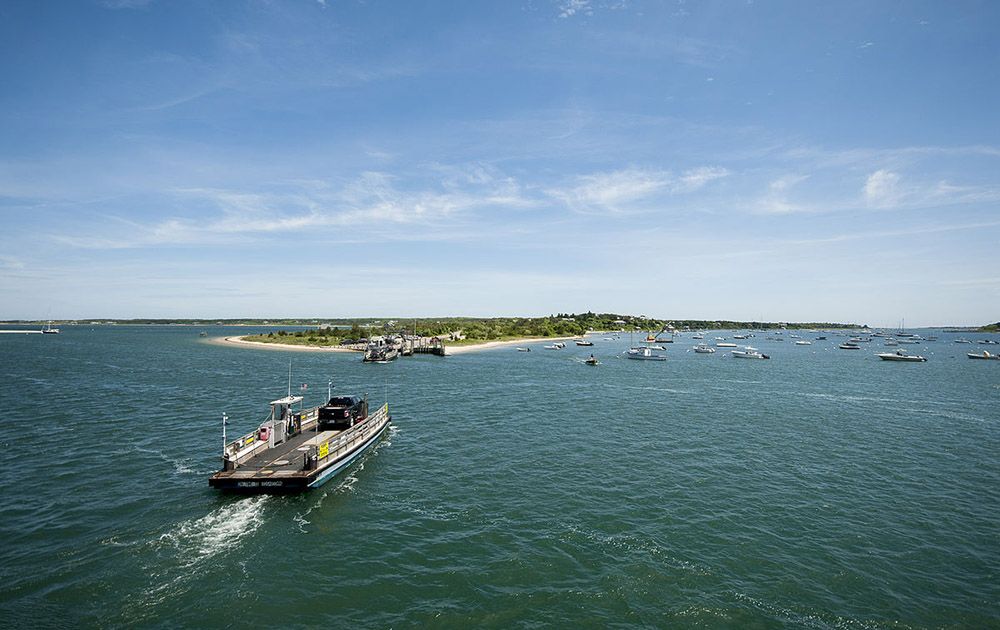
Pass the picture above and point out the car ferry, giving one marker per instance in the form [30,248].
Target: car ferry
[293,451]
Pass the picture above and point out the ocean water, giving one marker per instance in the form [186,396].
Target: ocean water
[821,489]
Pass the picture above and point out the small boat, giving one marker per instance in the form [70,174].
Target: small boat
[988,342]
[985,354]
[203,334]
[739,336]
[49,330]
[702,348]
[900,355]
[803,342]
[749,353]
[559,344]
[720,338]
[962,340]
[821,338]
[553,346]
[698,336]
[890,342]
[847,345]
[726,344]
[584,342]
[592,360]
[910,342]
[524,349]
[644,354]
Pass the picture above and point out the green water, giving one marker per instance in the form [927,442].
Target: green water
[823,489]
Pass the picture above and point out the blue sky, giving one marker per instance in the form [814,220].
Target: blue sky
[779,160]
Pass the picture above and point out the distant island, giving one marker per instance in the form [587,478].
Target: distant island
[990,328]
[459,331]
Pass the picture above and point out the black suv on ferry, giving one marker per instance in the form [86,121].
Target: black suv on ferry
[342,412]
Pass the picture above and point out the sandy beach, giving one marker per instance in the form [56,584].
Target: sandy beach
[492,345]
[478,347]
[240,341]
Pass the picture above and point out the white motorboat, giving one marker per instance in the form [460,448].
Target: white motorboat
[890,342]
[985,354]
[644,354]
[698,336]
[962,340]
[524,349]
[900,355]
[702,348]
[553,346]
[847,345]
[726,344]
[803,342]
[749,353]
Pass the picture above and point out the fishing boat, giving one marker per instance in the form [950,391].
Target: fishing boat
[292,451]
[749,353]
[644,354]
[985,354]
[900,355]
[703,348]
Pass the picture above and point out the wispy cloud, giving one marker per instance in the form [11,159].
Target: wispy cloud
[569,8]
[363,208]
[619,192]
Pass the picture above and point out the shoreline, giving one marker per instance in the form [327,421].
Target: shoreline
[239,341]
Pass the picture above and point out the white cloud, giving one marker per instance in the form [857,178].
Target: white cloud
[569,8]
[882,189]
[776,200]
[620,192]
[365,208]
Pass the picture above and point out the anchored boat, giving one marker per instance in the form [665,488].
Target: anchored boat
[900,355]
[293,451]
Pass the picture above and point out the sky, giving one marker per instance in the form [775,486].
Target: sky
[747,160]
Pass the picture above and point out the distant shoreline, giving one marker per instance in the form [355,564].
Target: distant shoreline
[239,341]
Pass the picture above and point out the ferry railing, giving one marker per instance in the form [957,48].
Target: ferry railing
[341,444]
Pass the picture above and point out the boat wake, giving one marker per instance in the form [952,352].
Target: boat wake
[184,552]
[200,539]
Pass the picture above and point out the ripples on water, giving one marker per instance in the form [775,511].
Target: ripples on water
[819,489]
